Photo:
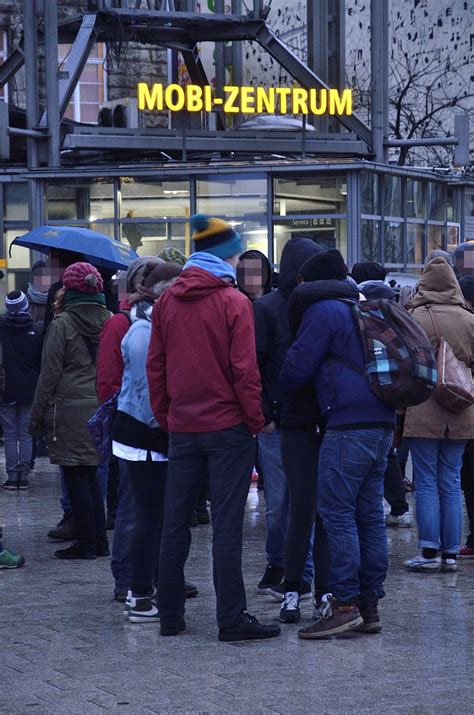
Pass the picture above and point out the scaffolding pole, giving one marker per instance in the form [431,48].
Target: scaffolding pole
[52,86]
[379,75]
[31,78]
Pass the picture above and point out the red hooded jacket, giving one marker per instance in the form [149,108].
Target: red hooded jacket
[202,367]
[109,355]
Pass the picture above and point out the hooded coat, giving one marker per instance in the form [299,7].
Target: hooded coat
[271,324]
[266,272]
[439,290]
[201,366]
[65,396]
[22,340]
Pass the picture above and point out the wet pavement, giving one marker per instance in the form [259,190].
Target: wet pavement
[65,647]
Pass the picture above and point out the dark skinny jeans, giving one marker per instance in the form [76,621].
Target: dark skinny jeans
[300,452]
[148,483]
[87,505]
[467,484]
[393,488]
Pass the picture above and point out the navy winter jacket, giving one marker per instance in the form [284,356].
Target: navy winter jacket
[345,398]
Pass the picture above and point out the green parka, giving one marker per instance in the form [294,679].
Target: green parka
[66,396]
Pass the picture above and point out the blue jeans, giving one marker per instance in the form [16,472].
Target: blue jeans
[352,465]
[18,442]
[437,464]
[102,470]
[124,522]
[277,502]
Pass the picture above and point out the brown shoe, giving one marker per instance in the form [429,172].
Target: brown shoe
[371,618]
[332,619]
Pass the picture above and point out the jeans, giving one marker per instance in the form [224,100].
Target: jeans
[437,463]
[467,485]
[124,520]
[394,491]
[352,464]
[87,505]
[148,482]
[18,442]
[228,455]
[277,501]
[102,470]
[300,452]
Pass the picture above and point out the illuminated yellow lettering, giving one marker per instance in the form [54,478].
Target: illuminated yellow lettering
[299,101]
[313,101]
[340,103]
[283,93]
[147,100]
[265,100]
[247,100]
[207,98]
[232,94]
[171,103]
[194,101]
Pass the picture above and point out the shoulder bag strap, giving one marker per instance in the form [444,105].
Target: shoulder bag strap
[435,327]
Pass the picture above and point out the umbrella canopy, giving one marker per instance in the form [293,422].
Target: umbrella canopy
[98,249]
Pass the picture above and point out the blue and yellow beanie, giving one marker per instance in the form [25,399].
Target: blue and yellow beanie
[216,236]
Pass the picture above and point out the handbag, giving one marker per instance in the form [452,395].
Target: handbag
[100,426]
[454,389]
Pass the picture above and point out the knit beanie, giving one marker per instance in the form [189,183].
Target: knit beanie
[216,236]
[36,267]
[466,283]
[439,253]
[135,271]
[173,255]
[83,277]
[368,271]
[16,302]
[376,289]
[157,277]
[324,266]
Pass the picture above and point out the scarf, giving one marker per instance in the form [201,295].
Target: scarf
[141,295]
[71,297]
[141,311]
[17,322]
[36,296]
[212,264]
[307,294]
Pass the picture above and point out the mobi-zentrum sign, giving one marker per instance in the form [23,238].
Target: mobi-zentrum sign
[248,100]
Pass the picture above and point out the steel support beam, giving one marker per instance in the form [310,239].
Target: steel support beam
[198,75]
[52,88]
[379,78]
[14,62]
[76,60]
[306,77]
[30,31]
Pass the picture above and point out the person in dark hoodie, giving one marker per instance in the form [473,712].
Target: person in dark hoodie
[66,398]
[368,271]
[205,390]
[352,460]
[273,339]
[254,274]
[21,342]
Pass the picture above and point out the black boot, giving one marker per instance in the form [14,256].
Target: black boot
[66,530]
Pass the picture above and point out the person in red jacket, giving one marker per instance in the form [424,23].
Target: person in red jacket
[205,390]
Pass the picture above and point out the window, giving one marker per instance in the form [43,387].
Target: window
[3,57]
[91,90]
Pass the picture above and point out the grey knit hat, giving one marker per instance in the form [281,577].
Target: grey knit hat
[136,269]
[16,302]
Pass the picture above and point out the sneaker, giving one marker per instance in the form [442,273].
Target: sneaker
[10,560]
[10,484]
[66,530]
[290,610]
[75,551]
[403,521]
[248,629]
[466,552]
[143,611]
[23,482]
[131,601]
[448,565]
[273,576]
[419,563]
[278,592]
[120,596]
[168,629]
[191,590]
[371,618]
[202,515]
[332,619]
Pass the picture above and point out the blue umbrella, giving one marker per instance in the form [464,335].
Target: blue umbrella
[98,249]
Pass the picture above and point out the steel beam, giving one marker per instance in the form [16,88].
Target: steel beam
[198,75]
[30,31]
[76,60]
[14,62]
[52,88]
[379,78]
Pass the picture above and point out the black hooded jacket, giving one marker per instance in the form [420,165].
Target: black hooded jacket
[22,342]
[271,323]
[266,271]
[313,292]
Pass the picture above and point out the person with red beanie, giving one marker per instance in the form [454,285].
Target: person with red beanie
[66,398]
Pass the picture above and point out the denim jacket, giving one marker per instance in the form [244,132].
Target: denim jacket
[134,397]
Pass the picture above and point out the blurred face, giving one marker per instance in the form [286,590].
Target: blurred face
[42,279]
[250,277]
[464,262]
[56,269]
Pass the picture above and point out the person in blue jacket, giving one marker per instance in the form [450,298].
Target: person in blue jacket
[353,456]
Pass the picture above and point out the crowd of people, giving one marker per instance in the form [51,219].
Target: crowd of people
[208,368]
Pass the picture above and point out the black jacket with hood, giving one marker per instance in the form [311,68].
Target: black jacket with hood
[266,272]
[22,342]
[271,324]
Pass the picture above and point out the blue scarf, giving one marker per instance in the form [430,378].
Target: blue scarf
[212,264]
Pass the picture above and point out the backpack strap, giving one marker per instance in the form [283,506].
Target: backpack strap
[435,327]
[127,313]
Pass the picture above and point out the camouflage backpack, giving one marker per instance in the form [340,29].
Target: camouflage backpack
[400,364]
